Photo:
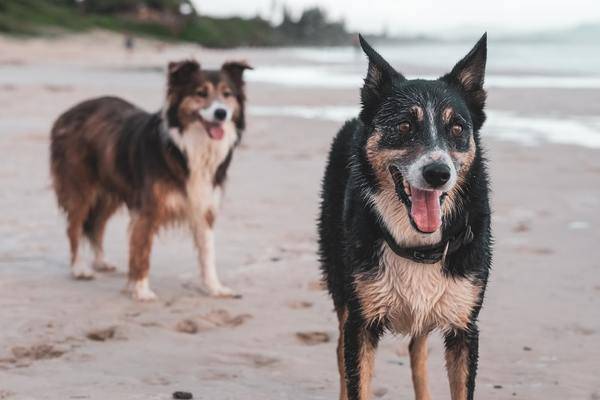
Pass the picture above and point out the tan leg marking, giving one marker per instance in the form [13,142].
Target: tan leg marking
[457,364]
[418,364]
[342,317]
[367,360]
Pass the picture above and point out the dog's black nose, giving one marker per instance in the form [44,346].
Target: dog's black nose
[436,174]
[220,114]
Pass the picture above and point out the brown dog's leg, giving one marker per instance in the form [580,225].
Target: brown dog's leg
[75,218]
[418,365]
[204,239]
[143,228]
[94,227]
[360,343]
[461,361]
[342,316]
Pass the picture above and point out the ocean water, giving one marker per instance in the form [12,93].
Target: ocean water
[322,76]
[503,125]
[518,65]
[527,57]
[510,64]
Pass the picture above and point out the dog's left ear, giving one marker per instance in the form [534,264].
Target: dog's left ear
[180,73]
[235,70]
[378,82]
[469,74]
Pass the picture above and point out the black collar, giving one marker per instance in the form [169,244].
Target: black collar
[433,253]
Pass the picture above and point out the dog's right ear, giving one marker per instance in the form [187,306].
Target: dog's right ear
[378,82]
[180,72]
[235,70]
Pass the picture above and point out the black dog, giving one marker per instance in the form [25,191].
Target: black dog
[405,240]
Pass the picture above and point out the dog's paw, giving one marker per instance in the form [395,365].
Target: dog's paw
[220,291]
[144,295]
[82,271]
[140,291]
[103,266]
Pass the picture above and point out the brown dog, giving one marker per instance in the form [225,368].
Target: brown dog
[167,167]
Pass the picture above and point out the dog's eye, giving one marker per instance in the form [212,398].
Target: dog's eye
[456,130]
[404,127]
[227,93]
[202,93]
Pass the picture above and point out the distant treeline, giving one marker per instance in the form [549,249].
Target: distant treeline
[169,20]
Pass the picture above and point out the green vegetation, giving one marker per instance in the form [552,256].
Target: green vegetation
[167,20]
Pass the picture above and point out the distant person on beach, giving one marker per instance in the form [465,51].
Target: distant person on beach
[129,42]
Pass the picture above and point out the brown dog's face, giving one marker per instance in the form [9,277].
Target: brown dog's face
[211,97]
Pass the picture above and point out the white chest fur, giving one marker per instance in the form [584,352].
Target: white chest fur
[204,156]
[415,298]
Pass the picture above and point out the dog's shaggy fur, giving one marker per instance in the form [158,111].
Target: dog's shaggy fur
[409,173]
[166,167]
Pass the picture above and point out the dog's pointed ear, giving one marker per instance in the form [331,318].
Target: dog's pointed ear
[180,72]
[378,82]
[235,70]
[469,73]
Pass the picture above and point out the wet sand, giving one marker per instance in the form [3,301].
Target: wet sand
[65,339]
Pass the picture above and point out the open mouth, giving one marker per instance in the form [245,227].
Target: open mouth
[215,129]
[424,206]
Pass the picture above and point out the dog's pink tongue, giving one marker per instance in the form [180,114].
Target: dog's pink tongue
[216,132]
[425,209]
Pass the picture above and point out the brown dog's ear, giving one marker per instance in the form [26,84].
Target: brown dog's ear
[180,72]
[235,70]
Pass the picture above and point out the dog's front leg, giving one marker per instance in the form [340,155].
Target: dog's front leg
[418,364]
[360,343]
[204,239]
[462,351]
[142,230]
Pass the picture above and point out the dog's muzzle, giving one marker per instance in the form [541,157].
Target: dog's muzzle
[423,186]
[213,118]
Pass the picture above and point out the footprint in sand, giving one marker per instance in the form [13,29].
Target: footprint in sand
[5,394]
[313,338]
[214,319]
[317,285]
[187,326]
[223,318]
[102,335]
[298,304]
[259,360]
[23,356]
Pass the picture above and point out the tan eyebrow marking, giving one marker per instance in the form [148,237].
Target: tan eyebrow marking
[206,86]
[447,114]
[223,87]
[418,112]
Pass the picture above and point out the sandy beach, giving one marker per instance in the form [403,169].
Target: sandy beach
[66,339]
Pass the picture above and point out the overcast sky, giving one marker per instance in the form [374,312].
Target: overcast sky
[427,16]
